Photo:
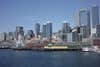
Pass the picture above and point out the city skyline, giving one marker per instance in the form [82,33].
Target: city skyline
[27,13]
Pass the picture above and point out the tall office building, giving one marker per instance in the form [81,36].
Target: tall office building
[76,37]
[49,29]
[10,36]
[44,30]
[65,29]
[37,29]
[30,33]
[95,16]
[98,31]
[84,21]
[19,31]
[84,17]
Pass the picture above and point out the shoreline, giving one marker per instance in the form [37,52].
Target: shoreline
[27,49]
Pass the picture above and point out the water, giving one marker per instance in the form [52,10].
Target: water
[11,58]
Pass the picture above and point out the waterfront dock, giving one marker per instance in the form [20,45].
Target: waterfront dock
[51,48]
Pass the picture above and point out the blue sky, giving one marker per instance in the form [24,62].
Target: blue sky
[27,12]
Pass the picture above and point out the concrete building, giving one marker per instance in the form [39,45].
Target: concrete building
[1,37]
[70,37]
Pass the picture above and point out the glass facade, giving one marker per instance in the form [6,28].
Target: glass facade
[30,33]
[95,16]
[84,19]
[44,30]
[65,29]
[37,29]
[49,29]
[19,31]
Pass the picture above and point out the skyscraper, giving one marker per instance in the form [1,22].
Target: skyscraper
[75,34]
[65,29]
[37,29]
[10,36]
[95,16]
[84,21]
[84,17]
[19,31]
[30,33]
[49,29]
[44,30]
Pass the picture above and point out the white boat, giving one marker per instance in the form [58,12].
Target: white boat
[91,49]
[85,49]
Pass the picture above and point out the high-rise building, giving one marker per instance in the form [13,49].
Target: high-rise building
[10,36]
[75,34]
[49,29]
[84,32]
[95,16]
[44,30]
[84,21]
[65,29]
[98,31]
[37,29]
[19,31]
[30,33]
[84,17]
